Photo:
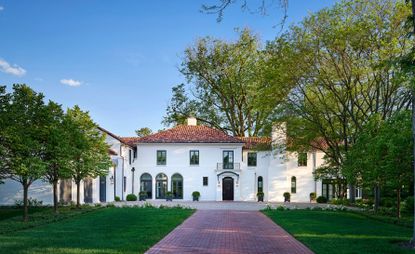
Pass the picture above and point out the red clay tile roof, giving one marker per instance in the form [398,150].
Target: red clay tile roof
[112,135]
[261,143]
[186,134]
[130,140]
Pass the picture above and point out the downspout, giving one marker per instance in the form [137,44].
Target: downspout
[115,180]
[122,172]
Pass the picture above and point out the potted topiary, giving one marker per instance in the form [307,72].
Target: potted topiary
[117,199]
[313,196]
[131,197]
[142,196]
[260,196]
[321,200]
[287,196]
[169,196]
[196,195]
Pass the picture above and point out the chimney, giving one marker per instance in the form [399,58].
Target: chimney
[191,121]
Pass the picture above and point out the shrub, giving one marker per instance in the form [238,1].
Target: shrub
[147,205]
[31,202]
[117,199]
[280,208]
[131,197]
[364,203]
[287,196]
[321,199]
[196,194]
[408,205]
[143,194]
[387,202]
[340,201]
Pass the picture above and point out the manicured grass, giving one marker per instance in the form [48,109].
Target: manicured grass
[105,230]
[13,219]
[341,232]
[11,211]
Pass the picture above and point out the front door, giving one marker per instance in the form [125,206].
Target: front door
[227,188]
[102,188]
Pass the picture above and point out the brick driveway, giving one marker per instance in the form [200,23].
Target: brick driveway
[224,231]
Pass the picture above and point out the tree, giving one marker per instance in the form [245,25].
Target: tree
[24,137]
[142,132]
[57,149]
[387,149]
[4,101]
[225,91]
[89,151]
[261,7]
[337,62]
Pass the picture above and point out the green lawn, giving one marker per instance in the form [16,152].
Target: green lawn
[7,212]
[341,232]
[105,230]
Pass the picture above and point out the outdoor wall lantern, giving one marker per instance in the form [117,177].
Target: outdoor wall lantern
[112,179]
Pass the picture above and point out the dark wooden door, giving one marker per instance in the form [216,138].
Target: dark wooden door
[227,188]
[102,188]
[88,190]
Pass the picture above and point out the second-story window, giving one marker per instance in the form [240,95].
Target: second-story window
[129,156]
[252,159]
[227,159]
[161,157]
[302,159]
[135,153]
[194,157]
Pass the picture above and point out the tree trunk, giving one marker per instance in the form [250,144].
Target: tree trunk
[25,201]
[78,183]
[398,203]
[55,196]
[377,198]
[352,193]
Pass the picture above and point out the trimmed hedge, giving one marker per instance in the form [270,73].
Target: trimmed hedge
[321,199]
[131,197]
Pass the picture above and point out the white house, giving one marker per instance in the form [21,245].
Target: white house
[190,158]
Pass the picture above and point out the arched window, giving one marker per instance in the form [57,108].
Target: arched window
[161,186]
[177,186]
[293,184]
[146,184]
[260,184]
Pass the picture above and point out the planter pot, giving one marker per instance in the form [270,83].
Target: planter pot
[260,198]
[169,199]
[195,198]
[286,200]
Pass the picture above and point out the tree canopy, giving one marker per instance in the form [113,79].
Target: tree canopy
[226,84]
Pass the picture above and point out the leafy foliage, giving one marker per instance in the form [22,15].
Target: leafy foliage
[227,82]
[89,150]
[142,132]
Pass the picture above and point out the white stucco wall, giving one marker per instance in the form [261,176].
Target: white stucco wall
[276,167]
[178,161]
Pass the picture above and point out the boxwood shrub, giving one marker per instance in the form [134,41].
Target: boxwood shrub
[321,199]
[131,197]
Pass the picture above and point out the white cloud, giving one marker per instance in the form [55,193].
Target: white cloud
[11,69]
[1,8]
[71,82]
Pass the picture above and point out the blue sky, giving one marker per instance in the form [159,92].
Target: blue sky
[116,59]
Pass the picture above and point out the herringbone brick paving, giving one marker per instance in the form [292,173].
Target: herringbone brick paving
[224,231]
